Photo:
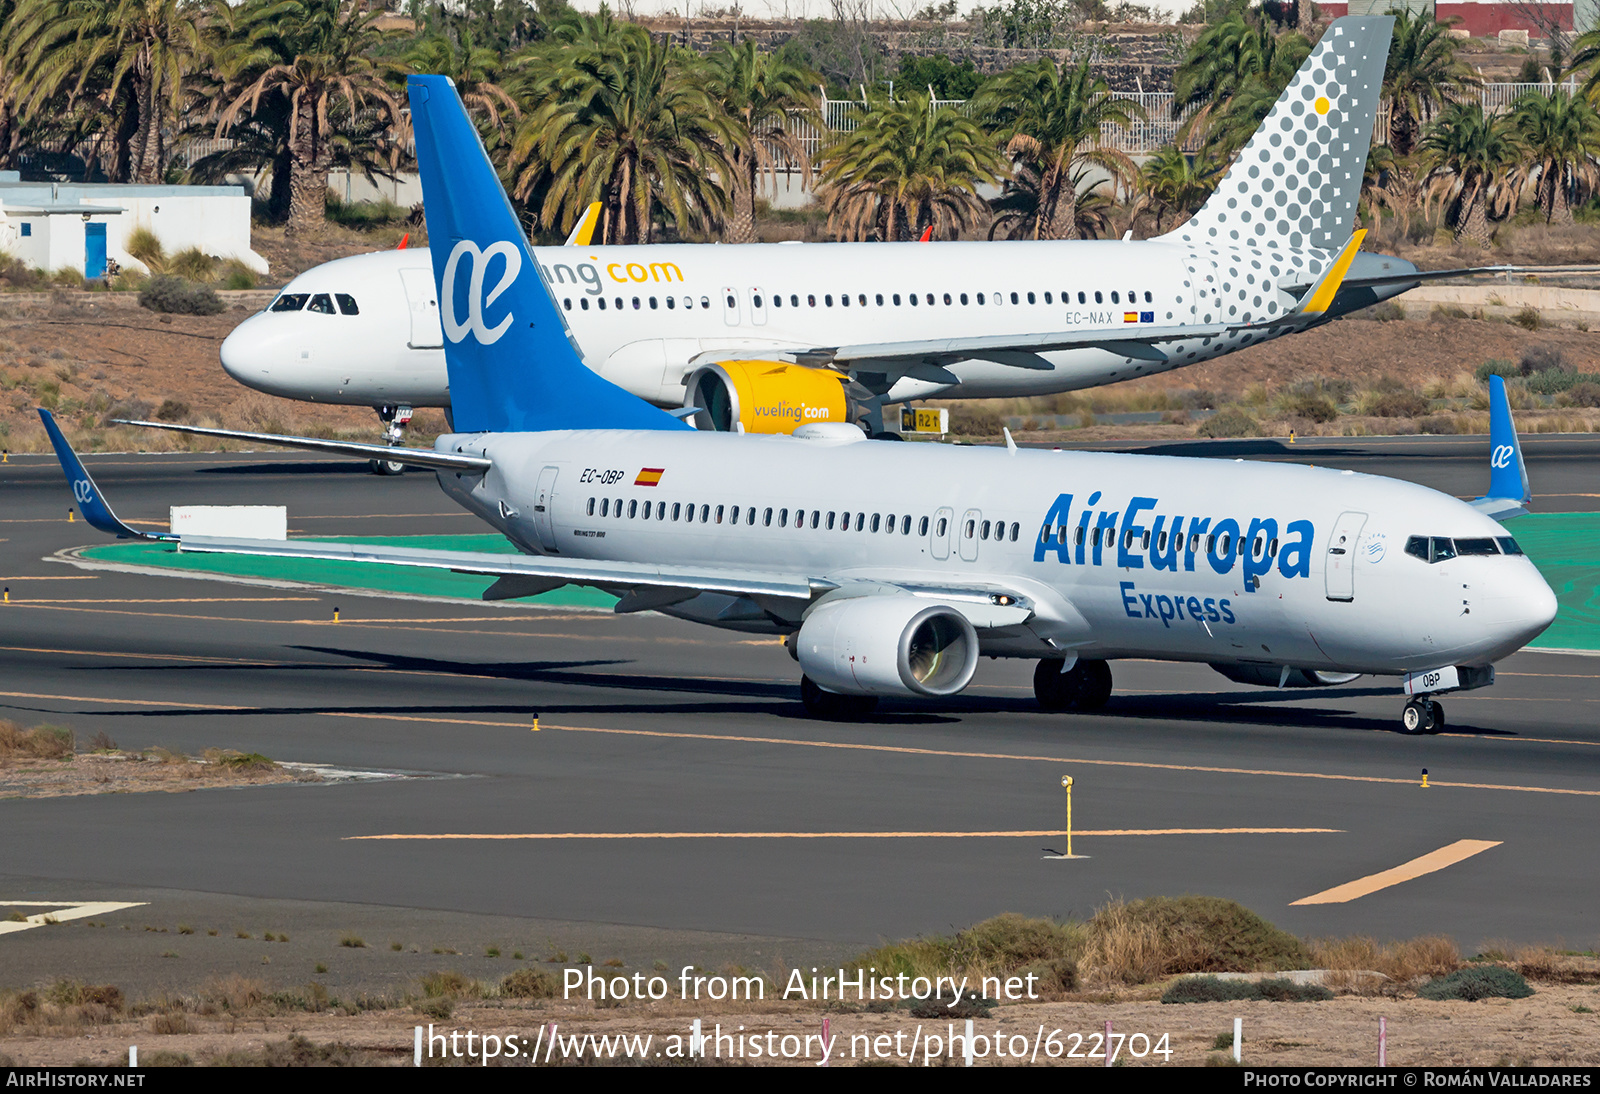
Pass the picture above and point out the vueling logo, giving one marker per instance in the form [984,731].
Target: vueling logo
[620,273]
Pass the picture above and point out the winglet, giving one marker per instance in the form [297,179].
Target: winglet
[90,503]
[1509,493]
[583,231]
[927,234]
[1320,297]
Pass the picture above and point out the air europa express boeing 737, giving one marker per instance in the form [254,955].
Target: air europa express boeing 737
[891,568]
[765,338]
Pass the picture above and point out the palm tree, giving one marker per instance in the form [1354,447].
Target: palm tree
[1050,119]
[770,99]
[474,69]
[1475,167]
[1234,73]
[130,59]
[1179,183]
[611,115]
[1562,134]
[313,62]
[1016,210]
[1421,76]
[906,167]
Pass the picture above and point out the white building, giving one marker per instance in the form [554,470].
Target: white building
[70,225]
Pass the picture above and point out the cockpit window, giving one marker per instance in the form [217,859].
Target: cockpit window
[347,303]
[1417,547]
[1484,546]
[1508,545]
[322,304]
[1442,548]
[290,301]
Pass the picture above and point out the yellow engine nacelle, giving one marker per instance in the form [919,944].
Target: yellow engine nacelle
[765,397]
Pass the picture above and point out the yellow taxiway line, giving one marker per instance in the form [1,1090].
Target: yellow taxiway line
[1431,862]
[846,835]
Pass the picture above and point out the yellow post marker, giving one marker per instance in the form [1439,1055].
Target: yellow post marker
[1066,781]
[1291,436]
[69,514]
[536,723]
[1424,778]
[336,613]
[8,594]
[5,457]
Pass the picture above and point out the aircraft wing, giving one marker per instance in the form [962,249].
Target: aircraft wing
[1140,341]
[416,457]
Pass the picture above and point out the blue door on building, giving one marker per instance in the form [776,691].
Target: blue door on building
[94,250]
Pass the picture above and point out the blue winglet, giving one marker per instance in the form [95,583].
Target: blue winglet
[90,503]
[511,360]
[1509,493]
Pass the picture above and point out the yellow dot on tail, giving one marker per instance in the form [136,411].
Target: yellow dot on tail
[1322,104]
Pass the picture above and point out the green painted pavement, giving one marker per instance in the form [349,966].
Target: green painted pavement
[1565,547]
[355,575]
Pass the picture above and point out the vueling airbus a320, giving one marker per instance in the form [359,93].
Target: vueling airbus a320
[766,338]
[892,568]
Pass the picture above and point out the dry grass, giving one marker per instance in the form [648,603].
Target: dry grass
[1396,965]
[1148,940]
[43,742]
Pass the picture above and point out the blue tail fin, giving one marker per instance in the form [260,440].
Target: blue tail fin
[511,360]
[84,492]
[1509,493]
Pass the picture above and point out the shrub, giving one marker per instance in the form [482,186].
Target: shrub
[1209,989]
[1586,394]
[1478,982]
[238,276]
[1312,405]
[68,277]
[1231,422]
[974,422]
[172,410]
[1006,945]
[1557,381]
[1528,318]
[1396,404]
[1542,358]
[448,982]
[194,265]
[1448,311]
[144,245]
[1506,370]
[529,984]
[179,297]
[352,942]
[1161,936]
[44,742]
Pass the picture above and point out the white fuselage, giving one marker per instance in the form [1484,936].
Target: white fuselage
[1337,589]
[645,316]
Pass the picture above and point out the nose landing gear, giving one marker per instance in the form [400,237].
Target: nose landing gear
[1422,715]
[394,419]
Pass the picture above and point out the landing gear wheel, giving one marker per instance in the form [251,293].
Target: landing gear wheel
[1438,717]
[1056,690]
[387,467]
[1096,687]
[1419,716]
[832,707]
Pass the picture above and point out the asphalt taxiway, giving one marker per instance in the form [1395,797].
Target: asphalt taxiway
[675,803]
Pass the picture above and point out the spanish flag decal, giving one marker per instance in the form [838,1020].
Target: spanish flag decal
[1130,317]
[649,476]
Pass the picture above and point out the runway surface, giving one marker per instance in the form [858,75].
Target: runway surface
[659,739]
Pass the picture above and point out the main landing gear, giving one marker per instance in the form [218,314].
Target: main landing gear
[1086,685]
[830,707]
[394,419]
[1422,715]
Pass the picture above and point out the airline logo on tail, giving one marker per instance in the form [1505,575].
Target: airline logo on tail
[477,302]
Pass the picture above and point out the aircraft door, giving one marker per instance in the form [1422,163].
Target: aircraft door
[730,307]
[543,506]
[758,306]
[426,330]
[939,533]
[1202,289]
[968,535]
[1339,572]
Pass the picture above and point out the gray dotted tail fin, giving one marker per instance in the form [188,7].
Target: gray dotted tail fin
[1296,184]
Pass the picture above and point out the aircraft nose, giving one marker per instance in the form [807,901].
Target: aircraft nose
[1523,609]
[248,352]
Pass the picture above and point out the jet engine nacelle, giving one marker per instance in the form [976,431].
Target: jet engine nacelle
[1271,676]
[765,397]
[887,645]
